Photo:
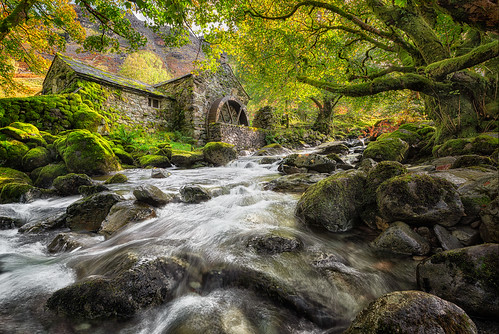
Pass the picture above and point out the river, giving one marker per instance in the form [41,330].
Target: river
[338,271]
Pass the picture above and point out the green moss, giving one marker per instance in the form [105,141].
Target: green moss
[8,175]
[393,149]
[44,176]
[36,157]
[485,143]
[12,153]
[154,161]
[88,119]
[125,157]
[117,178]
[409,137]
[88,153]
[457,146]
[13,192]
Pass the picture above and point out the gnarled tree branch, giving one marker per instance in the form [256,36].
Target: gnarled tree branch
[16,17]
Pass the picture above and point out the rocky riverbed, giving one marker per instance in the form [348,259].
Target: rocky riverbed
[319,241]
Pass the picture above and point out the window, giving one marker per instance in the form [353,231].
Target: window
[153,103]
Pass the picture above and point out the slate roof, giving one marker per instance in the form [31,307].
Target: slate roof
[94,74]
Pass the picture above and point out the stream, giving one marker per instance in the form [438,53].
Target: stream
[338,271]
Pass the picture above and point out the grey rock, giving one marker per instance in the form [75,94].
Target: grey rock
[88,213]
[465,276]
[272,149]
[91,190]
[333,203]
[467,235]
[333,147]
[489,229]
[194,194]
[67,242]
[68,184]
[311,162]
[294,183]
[160,173]
[123,213]
[399,238]
[9,223]
[447,240]
[151,195]
[408,312]
[275,244]
[268,160]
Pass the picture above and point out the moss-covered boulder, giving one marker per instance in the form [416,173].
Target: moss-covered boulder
[272,149]
[87,119]
[408,312]
[399,238]
[410,137]
[13,185]
[333,203]
[12,153]
[148,283]
[165,149]
[88,153]
[124,213]
[381,172]
[466,277]
[35,158]
[294,183]
[194,194]
[393,149]
[88,213]
[117,178]
[484,144]
[333,147]
[125,157]
[419,199]
[186,159]
[311,162]
[218,153]
[44,176]
[67,185]
[472,160]
[24,132]
[158,161]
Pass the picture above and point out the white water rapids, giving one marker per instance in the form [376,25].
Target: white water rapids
[216,232]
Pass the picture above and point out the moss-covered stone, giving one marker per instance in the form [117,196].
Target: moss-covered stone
[466,276]
[383,171]
[88,213]
[44,176]
[125,157]
[12,153]
[13,185]
[419,199]
[408,136]
[272,149]
[117,178]
[88,119]
[25,133]
[408,312]
[219,153]
[484,144]
[35,158]
[333,203]
[393,149]
[69,184]
[158,161]
[311,162]
[48,137]
[88,153]
[165,149]
[472,160]
[186,159]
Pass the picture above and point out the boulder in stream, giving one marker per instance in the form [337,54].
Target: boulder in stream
[294,183]
[69,184]
[219,154]
[67,242]
[467,277]
[399,238]
[123,213]
[420,199]
[275,244]
[148,283]
[408,312]
[299,163]
[88,213]
[152,195]
[194,194]
[334,202]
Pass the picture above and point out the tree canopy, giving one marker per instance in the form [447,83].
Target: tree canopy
[446,50]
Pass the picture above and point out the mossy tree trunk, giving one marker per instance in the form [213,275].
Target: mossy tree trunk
[324,121]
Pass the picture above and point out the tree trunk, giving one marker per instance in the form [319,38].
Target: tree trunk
[323,123]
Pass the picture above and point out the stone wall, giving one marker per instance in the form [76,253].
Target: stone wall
[180,115]
[243,137]
[133,109]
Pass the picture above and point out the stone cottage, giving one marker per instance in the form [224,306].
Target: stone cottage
[210,106]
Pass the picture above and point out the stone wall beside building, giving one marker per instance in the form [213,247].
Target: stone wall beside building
[243,137]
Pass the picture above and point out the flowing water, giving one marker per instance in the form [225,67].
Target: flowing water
[345,277]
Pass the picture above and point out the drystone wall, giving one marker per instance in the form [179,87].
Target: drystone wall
[180,114]
[243,137]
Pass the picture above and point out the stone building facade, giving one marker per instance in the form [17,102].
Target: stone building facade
[192,104]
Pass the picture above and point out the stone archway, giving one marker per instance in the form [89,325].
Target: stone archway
[227,110]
